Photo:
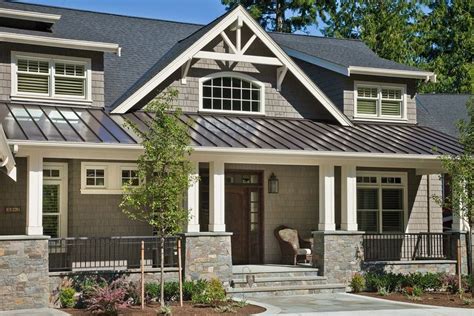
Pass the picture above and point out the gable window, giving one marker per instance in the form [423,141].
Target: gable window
[95,177]
[379,101]
[130,177]
[231,92]
[381,202]
[53,78]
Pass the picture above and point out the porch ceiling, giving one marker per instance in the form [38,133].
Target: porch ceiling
[48,124]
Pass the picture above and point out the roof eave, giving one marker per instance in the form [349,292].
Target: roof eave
[411,74]
[60,42]
[29,15]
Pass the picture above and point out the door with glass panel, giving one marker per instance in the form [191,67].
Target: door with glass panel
[55,200]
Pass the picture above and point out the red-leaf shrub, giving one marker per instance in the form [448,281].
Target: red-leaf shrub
[108,299]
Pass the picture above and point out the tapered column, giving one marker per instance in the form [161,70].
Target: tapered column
[216,196]
[349,198]
[326,198]
[193,200]
[34,212]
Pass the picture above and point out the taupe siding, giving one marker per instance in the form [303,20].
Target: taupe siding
[13,194]
[97,64]
[340,88]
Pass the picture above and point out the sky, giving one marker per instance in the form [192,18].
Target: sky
[193,11]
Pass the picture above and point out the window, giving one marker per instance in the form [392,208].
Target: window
[230,92]
[55,199]
[42,76]
[95,177]
[381,205]
[130,177]
[374,101]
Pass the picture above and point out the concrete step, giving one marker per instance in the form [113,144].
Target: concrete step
[287,290]
[279,281]
[302,272]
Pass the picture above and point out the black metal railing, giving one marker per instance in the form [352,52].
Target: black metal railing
[109,253]
[408,247]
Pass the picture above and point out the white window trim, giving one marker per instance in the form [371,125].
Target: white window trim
[113,176]
[378,116]
[51,97]
[379,185]
[63,181]
[131,167]
[237,75]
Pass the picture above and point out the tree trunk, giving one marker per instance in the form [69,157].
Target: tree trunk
[162,271]
[279,16]
[471,260]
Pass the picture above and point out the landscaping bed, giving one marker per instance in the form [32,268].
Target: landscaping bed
[436,299]
[437,289]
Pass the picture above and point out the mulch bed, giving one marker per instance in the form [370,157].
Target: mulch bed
[436,299]
[187,309]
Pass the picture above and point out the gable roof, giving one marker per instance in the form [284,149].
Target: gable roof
[442,111]
[147,44]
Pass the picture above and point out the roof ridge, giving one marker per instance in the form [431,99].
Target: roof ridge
[447,93]
[100,12]
[318,36]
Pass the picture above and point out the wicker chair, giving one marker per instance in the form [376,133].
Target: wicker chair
[293,247]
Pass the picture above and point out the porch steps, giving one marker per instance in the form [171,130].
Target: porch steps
[270,280]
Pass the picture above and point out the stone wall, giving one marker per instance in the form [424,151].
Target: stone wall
[407,267]
[24,279]
[207,256]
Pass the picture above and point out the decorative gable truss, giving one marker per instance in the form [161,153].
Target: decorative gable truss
[238,50]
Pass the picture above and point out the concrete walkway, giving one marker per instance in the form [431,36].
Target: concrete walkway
[340,304]
[34,312]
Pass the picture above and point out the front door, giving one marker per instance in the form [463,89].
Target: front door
[243,216]
[55,199]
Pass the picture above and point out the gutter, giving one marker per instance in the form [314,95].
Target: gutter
[425,75]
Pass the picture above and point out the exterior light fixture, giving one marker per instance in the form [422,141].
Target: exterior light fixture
[273,184]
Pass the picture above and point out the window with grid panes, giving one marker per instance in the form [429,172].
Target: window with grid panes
[232,94]
[95,177]
[379,101]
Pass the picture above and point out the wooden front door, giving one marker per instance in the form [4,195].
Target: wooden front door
[243,217]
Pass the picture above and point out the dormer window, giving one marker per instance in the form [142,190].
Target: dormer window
[373,101]
[231,93]
[50,78]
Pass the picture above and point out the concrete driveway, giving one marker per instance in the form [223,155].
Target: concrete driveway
[348,304]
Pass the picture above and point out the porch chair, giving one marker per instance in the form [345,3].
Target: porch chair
[292,246]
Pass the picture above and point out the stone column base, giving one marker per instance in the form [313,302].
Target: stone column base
[207,255]
[337,254]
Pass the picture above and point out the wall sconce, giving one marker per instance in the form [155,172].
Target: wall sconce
[273,184]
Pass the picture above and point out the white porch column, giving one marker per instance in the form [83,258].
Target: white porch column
[216,196]
[34,215]
[349,198]
[193,200]
[326,198]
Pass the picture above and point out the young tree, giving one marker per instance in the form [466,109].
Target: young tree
[460,168]
[164,173]
[283,15]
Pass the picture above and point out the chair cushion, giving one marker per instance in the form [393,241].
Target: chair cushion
[291,236]
[303,251]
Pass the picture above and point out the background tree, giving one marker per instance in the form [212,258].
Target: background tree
[448,41]
[283,15]
[164,170]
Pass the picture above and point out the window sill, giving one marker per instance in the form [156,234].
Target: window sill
[231,112]
[379,119]
[18,98]
[101,191]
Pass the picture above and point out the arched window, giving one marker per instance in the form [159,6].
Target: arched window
[231,92]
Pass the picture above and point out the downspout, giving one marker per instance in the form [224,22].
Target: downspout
[428,202]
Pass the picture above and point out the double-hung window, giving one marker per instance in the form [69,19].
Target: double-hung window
[381,202]
[45,77]
[379,101]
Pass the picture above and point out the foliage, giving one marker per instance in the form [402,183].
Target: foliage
[171,290]
[165,310]
[108,299]
[392,282]
[283,15]
[212,295]
[382,291]
[67,297]
[389,281]
[357,283]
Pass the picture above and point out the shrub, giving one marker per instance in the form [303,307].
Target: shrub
[450,283]
[67,297]
[382,291]
[152,291]
[212,295]
[108,299]
[357,283]
[389,281]
[417,291]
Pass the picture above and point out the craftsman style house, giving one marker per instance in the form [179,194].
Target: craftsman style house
[317,134]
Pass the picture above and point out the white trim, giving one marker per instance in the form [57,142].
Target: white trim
[343,70]
[238,75]
[29,15]
[326,198]
[379,186]
[34,200]
[216,196]
[59,42]
[52,96]
[238,13]
[378,116]
[414,74]
[262,60]
[63,194]
[6,156]
[112,176]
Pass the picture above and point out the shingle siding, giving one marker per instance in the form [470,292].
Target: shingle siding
[97,65]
